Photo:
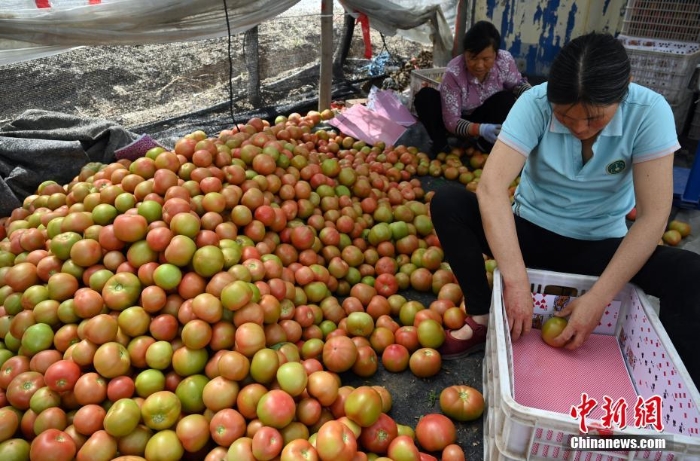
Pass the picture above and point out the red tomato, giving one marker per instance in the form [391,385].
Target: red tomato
[112,360]
[226,426]
[53,444]
[9,422]
[100,446]
[336,441]
[90,388]
[377,437]
[130,228]
[193,432]
[395,358]
[425,362]
[276,408]
[339,353]
[551,329]
[267,443]
[367,362]
[323,386]
[89,419]
[11,368]
[435,431]
[22,388]
[453,452]
[461,402]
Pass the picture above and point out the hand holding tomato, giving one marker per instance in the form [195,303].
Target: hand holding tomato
[519,307]
[584,314]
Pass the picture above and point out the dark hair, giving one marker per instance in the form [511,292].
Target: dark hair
[480,36]
[592,69]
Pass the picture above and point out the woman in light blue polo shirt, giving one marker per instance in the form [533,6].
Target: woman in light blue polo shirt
[588,146]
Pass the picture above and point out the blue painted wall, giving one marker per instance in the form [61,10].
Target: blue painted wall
[535,30]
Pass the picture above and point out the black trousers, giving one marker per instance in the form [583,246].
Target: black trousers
[671,274]
[428,107]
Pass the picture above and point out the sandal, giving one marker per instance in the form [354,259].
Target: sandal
[454,348]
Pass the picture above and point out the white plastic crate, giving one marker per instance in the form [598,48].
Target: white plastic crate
[513,431]
[665,19]
[665,66]
[424,77]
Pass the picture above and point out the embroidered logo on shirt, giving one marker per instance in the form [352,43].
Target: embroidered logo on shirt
[618,166]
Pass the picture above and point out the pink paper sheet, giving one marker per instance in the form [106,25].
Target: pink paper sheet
[368,126]
[386,103]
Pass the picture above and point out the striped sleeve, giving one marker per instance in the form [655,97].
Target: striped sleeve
[466,129]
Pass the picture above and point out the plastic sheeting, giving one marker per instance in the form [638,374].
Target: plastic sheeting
[28,32]
[414,19]
[70,23]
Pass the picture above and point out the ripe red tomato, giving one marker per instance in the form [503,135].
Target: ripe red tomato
[62,375]
[267,443]
[53,444]
[395,358]
[453,452]
[551,329]
[378,436]
[339,353]
[22,388]
[435,431]
[462,402]
[276,409]
[425,362]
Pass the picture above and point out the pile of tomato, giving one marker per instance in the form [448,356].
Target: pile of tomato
[202,302]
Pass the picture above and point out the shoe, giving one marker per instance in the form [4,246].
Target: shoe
[454,348]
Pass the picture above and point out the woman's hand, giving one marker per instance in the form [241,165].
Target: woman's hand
[585,314]
[519,307]
[489,131]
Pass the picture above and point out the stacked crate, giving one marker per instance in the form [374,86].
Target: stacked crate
[661,38]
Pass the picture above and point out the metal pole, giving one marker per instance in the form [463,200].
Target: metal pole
[326,71]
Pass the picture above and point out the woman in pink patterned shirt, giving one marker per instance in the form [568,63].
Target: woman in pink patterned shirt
[476,93]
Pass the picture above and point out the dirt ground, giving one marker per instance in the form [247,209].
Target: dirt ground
[139,85]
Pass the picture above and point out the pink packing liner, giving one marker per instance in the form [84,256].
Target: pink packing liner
[553,379]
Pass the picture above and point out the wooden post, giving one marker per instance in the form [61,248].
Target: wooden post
[341,53]
[252,64]
[326,71]
[460,28]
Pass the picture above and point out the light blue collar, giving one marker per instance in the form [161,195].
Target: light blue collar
[613,128]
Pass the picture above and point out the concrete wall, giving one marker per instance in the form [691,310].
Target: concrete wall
[535,30]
